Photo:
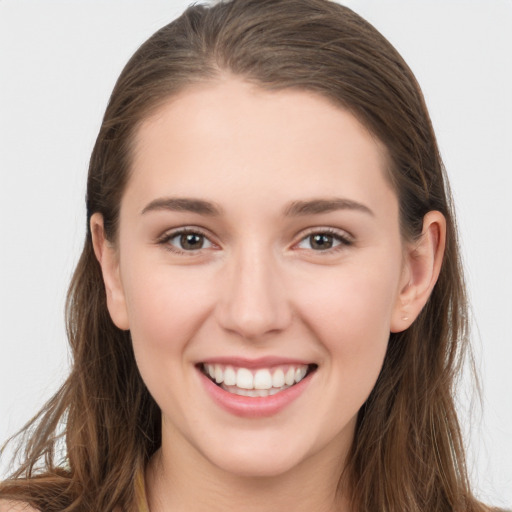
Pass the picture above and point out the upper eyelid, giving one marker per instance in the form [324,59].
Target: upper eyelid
[173,232]
[167,236]
[342,233]
[344,238]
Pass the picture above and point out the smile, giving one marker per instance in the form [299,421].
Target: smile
[259,382]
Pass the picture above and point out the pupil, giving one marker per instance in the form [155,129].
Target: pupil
[321,241]
[191,241]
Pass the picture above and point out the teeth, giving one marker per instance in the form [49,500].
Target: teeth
[261,382]
[229,376]
[289,378]
[278,378]
[244,378]
[262,379]
[300,373]
[253,392]
[219,374]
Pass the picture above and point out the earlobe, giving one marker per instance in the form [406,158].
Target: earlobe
[108,259]
[422,265]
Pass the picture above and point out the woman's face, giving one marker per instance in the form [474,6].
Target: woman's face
[259,239]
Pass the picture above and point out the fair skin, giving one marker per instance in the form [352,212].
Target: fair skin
[15,506]
[292,257]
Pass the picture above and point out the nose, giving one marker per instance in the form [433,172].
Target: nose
[254,299]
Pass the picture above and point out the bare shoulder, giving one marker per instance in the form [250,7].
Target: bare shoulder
[15,506]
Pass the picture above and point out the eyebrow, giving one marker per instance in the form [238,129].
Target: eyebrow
[294,209]
[317,206]
[182,204]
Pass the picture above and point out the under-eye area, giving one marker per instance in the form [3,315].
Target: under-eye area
[259,382]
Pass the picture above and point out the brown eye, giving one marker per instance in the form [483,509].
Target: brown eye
[321,241]
[187,241]
[191,241]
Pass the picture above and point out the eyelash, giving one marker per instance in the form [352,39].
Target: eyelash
[343,240]
[167,237]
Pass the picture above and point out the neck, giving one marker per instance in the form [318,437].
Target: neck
[200,486]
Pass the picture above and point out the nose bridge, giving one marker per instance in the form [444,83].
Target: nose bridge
[254,300]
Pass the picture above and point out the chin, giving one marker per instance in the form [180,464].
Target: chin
[257,465]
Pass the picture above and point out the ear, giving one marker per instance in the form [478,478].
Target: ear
[422,263]
[108,258]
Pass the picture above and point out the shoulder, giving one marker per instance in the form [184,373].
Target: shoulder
[15,506]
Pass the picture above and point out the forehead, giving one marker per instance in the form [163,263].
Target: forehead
[238,137]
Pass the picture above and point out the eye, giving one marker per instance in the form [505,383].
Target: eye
[186,241]
[324,241]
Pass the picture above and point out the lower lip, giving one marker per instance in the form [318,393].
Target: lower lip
[254,407]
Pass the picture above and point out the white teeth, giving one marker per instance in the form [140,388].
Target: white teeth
[278,378]
[289,378]
[300,373]
[229,376]
[253,392]
[262,380]
[244,379]
[219,374]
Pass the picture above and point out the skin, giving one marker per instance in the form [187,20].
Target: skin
[260,287]
[15,506]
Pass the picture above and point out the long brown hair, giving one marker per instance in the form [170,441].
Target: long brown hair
[407,454]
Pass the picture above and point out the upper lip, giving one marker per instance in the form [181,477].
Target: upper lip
[260,362]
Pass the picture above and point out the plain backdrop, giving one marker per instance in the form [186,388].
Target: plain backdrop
[58,63]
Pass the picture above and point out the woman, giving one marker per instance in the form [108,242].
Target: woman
[233,351]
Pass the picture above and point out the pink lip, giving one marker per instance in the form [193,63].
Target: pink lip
[253,407]
[262,362]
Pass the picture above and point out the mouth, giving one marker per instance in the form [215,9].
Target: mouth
[256,382]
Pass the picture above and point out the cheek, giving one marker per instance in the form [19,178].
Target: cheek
[165,307]
[351,301]
[350,314]
[165,310]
